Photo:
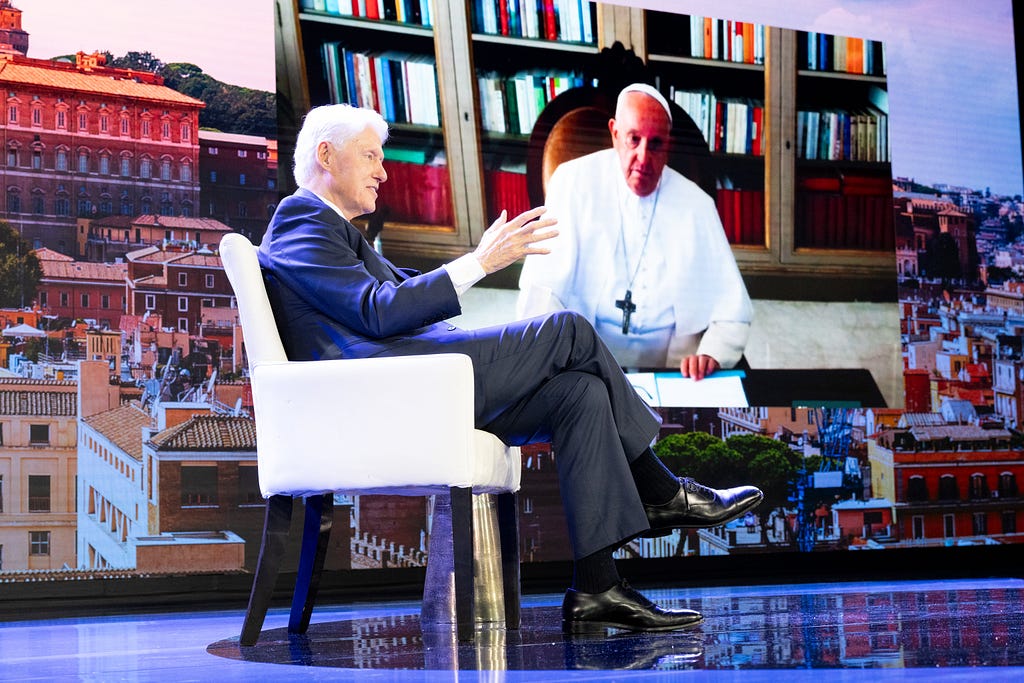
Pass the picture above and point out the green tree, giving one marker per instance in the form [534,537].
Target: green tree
[139,61]
[20,271]
[229,108]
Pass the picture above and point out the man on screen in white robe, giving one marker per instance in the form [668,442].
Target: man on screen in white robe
[641,251]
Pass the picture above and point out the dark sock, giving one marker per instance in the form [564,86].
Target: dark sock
[595,573]
[654,482]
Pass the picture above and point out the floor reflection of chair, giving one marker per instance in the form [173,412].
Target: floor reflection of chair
[400,426]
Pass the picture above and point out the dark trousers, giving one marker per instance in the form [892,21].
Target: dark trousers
[552,379]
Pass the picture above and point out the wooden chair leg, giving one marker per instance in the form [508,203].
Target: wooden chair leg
[316,533]
[462,556]
[276,522]
[508,530]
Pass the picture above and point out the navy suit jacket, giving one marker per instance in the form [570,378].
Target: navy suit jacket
[335,297]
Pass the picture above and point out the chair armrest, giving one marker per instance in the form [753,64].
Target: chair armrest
[362,424]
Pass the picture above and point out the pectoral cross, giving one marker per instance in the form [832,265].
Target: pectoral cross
[628,307]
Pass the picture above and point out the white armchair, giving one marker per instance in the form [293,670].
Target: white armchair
[400,426]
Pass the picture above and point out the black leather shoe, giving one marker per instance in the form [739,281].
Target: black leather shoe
[621,607]
[698,506]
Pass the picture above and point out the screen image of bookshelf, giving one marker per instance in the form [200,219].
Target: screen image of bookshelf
[525,55]
[401,84]
[844,178]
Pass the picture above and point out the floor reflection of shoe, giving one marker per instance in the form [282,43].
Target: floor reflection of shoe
[633,651]
[621,607]
[699,506]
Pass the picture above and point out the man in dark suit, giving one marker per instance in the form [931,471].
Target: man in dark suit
[543,379]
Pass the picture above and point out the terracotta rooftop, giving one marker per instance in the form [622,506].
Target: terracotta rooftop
[969,432]
[209,433]
[25,71]
[232,138]
[15,401]
[46,254]
[123,426]
[188,222]
[83,270]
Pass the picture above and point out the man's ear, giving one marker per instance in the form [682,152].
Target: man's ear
[611,128]
[323,154]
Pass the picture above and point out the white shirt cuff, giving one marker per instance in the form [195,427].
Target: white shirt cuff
[465,272]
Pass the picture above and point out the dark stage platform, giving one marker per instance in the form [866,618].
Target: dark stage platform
[963,630]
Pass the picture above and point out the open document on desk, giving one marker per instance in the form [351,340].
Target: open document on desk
[722,389]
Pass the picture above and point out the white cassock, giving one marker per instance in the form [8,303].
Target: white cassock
[667,249]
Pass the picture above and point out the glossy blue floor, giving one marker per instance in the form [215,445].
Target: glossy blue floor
[959,630]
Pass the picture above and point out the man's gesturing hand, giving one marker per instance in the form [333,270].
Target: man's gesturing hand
[507,241]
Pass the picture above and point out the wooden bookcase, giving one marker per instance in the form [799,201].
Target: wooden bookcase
[784,257]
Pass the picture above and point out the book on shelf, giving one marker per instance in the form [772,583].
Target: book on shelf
[417,193]
[565,20]
[401,86]
[414,12]
[842,135]
[844,221]
[506,190]
[842,54]
[512,104]
[729,125]
[742,215]
[724,40]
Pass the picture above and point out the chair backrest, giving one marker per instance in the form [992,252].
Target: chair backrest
[262,340]
[576,123]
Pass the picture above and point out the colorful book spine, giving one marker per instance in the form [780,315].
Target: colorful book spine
[562,20]
[512,104]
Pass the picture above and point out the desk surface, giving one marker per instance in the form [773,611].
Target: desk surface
[840,388]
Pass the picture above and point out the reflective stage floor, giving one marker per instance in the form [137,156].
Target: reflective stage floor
[961,630]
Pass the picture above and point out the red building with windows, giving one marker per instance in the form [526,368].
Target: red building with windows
[112,237]
[238,180]
[949,481]
[80,290]
[176,284]
[89,140]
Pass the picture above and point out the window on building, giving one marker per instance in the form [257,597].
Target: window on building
[125,125]
[213,176]
[83,122]
[948,526]
[126,166]
[917,523]
[64,299]
[947,488]
[243,210]
[39,434]
[44,301]
[37,159]
[214,151]
[145,128]
[186,209]
[104,301]
[62,206]
[147,205]
[106,206]
[242,154]
[85,301]
[271,183]
[165,169]
[165,130]
[126,206]
[38,543]
[12,114]
[38,493]
[183,304]
[38,204]
[979,524]
[104,123]
[183,324]
[145,168]
[84,207]
[150,302]
[105,165]
[979,486]
[249,485]
[1008,485]
[83,162]
[183,279]
[186,172]
[186,132]
[209,281]
[241,179]
[60,161]
[13,201]
[1,489]
[62,119]
[1008,518]
[198,485]
[12,156]
[37,116]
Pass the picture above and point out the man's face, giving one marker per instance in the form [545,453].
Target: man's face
[640,135]
[355,171]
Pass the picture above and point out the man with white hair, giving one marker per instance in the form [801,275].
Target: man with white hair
[641,252]
[545,379]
